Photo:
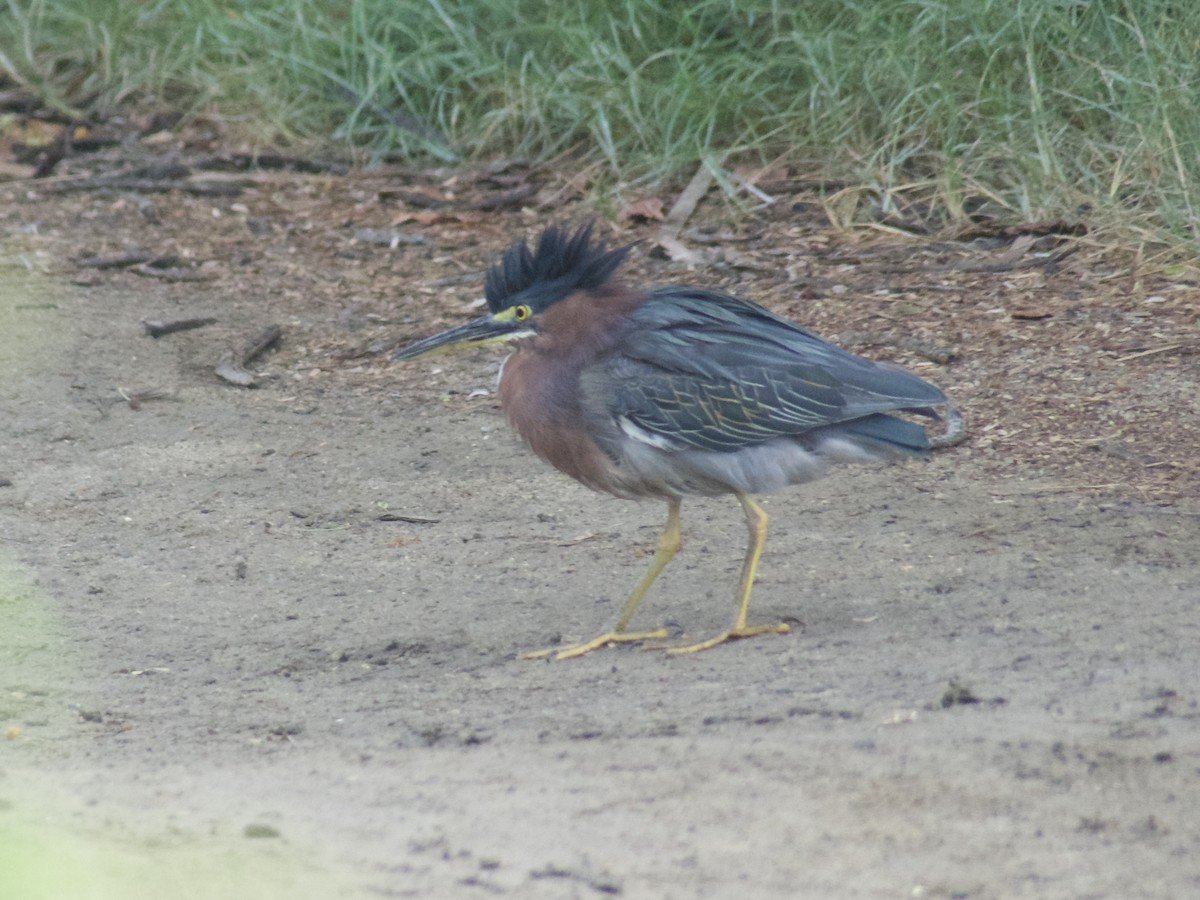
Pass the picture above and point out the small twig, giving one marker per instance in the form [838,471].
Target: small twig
[422,200]
[418,199]
[260,343]
[202,188]
[241,162]
[156,328]
[752,189]
[682,209]
[600,885]
[124,260]
[135,399]
[177,273]
[232,367]
[1167,349]
[501,201]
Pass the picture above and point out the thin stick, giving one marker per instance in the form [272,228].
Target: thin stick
[1167,349]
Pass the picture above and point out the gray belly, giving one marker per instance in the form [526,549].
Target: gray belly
[654,468]
[643,462]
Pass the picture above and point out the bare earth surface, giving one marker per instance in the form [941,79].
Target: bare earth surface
[262,642]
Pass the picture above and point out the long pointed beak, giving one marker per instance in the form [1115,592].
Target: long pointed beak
[487,329]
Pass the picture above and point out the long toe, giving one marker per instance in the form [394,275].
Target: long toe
[731,634]
[600,640]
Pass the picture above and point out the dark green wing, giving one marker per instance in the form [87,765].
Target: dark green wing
[709,371]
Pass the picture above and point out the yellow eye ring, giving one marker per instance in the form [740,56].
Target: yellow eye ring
[522,312]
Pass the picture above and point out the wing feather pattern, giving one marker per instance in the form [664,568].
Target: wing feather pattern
[704,370]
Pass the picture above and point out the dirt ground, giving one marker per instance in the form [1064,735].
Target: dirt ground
[263,642]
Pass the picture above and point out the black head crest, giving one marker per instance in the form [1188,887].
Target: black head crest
[561,264]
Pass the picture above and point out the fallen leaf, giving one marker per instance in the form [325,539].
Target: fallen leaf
[646,209]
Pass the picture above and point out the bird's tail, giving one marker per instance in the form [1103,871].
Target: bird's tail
[955,433]
[891,432]
[886,435]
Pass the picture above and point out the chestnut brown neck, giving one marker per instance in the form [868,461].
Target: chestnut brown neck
[539,387]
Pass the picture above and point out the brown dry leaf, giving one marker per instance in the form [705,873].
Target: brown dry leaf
[757,175]
[645,209]
[403,540]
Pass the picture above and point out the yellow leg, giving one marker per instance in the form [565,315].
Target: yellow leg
[756,521]
[668,545]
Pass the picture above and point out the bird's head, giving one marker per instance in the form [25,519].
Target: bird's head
[523,283]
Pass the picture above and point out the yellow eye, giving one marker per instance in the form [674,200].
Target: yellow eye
[522,313]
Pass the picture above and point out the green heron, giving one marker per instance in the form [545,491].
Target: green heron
[679,390]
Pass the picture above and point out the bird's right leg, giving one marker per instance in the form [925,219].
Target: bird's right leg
[756,520]
[668,545]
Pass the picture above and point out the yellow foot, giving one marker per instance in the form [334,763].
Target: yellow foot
[731,635]
[600,640]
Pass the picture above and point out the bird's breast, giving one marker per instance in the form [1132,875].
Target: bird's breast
[541,401]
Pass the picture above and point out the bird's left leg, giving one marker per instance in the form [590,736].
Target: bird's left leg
[668,545]
[756,521]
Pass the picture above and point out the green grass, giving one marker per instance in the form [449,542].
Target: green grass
[1042,105]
